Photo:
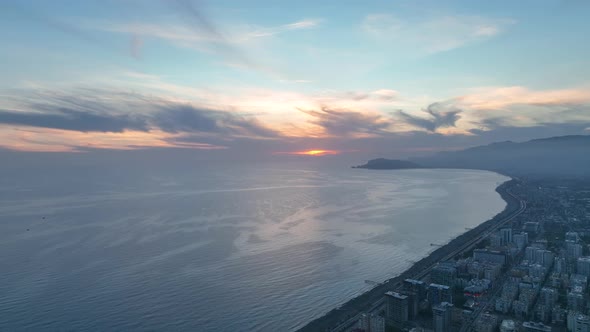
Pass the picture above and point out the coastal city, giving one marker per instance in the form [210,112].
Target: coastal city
[525,270]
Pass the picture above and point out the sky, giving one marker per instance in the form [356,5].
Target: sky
[269,79]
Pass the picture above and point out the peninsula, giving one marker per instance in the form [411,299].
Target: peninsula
[382,163]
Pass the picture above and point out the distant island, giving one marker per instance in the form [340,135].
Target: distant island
[382,163]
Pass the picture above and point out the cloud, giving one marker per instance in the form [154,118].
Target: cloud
[385,94]
[339,122]
[490,98]
[175,118]
[377,97]
[432,34]
[304,24]
[70,119]
[271,31]
[100,111]
[440,116]
[262,120]
[198,19]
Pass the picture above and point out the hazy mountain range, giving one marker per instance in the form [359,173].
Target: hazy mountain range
[567,156]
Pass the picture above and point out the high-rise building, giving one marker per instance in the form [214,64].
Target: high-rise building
[548,296]
[573,250]
[397,308]
[539,256]
[486,323]
[372,323]
[583,266]
[417,286]
[530,254]
[545,258]
[578,322]
[413,304]
[560,265]
[575,301]
[441,316]
[444,274]
[521,239]
[578,280]
[439,293]
[506,236]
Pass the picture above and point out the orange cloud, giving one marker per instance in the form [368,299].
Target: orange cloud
[57,140]
[501,97]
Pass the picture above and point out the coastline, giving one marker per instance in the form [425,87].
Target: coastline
[364,301]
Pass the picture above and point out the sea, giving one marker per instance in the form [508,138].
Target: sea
[265,247]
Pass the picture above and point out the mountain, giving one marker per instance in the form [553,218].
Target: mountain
[382,163]
[566,156]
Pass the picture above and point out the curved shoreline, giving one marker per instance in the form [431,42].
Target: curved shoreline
[365,301]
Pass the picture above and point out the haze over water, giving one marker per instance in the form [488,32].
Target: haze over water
[264,248]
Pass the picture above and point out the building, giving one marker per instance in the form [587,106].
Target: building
[531,227]
[439,293]
[578,280]
[543,313]
[583,266]
[506,236]
[548,296]
[397,308]
[495,240]
[526,297]
[484,255]
[572,236]
[444,274]
[545,258]
[573,250]
[509,294]
[539,256]
[486,323]
[520,240]
[578,322]
[372,323]
[530,254]
[417,286]
[558,315]
[560,265]
[441,316]
[575,301]
[475,291]
[507,325]
[413,304]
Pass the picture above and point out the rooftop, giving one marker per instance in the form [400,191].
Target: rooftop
[396,295]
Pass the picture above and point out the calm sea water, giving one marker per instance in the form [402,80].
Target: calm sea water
[265,248]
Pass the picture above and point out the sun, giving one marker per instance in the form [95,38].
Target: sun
[318,152]
[314,153]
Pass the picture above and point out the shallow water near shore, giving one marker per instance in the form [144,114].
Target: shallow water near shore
[209,249]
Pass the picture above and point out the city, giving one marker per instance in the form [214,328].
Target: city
[528,272]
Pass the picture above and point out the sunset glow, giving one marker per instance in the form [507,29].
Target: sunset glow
[315,153]
[223,79]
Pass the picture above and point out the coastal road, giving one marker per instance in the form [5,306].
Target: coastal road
[467,246]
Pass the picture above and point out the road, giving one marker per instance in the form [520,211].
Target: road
[470,244]
[498,287]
